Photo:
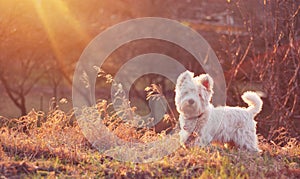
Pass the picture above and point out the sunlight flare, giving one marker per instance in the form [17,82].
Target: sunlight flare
[49,12]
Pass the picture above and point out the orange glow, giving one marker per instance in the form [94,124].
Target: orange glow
[63,10]
[43,17]
[49,13]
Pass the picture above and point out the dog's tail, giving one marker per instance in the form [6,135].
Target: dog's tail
[254,102]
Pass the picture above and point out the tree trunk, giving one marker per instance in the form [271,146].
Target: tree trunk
[22,105]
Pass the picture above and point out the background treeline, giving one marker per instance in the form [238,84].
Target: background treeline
[257,43]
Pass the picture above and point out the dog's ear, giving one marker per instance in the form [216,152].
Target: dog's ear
[183,77]
[206,81]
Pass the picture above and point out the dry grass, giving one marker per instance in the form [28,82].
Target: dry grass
[52,144]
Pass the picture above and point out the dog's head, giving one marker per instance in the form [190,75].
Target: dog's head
[187,99]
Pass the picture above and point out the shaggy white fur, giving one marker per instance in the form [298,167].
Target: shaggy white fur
[222,124]
[191,105]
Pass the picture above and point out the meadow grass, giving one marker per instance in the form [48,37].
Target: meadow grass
[52,145]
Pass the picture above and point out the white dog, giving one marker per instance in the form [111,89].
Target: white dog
[190,104]
[222,124]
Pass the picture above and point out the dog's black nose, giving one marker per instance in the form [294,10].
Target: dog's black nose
[191,101]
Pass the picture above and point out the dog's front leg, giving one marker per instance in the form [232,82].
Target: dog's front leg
[203,140]
[184,135]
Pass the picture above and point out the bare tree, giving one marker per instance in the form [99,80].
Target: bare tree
[21,55]
[19,81]
[269,58]
[54,74]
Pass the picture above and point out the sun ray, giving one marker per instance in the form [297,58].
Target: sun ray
[75,24]
[48,14]
[47,26]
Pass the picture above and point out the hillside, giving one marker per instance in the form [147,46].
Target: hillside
[52,145]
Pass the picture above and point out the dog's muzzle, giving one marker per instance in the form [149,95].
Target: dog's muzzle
[189,106]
